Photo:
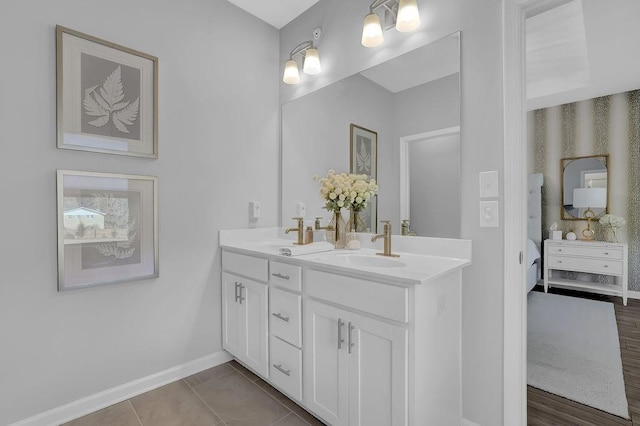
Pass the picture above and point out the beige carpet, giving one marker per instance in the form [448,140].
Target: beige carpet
[573,351]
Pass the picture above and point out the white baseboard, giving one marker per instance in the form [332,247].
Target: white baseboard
[91,403]
[466,422]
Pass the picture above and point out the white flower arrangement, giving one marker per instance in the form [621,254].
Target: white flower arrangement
[614,223]
[362,190]
[346,190]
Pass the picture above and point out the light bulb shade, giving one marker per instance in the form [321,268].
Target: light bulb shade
[311,62]
[590,198]
[408,16]
[372,31]
[291,75]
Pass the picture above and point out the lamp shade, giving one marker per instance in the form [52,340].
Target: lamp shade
[590,197]
[408,16]
[372,31]
[311,62]
[291,75]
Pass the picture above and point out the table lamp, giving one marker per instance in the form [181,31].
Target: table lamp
[589,198]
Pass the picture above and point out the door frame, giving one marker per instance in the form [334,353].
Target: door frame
[405,181]
[514,14]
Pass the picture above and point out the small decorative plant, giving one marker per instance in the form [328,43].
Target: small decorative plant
[350,191]
[613,223]
[334,190]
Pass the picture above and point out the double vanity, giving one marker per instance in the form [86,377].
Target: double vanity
[353,337]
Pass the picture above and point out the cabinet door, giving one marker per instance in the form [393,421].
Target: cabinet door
[230,315]
[377,373]
[254,328]
[325,362]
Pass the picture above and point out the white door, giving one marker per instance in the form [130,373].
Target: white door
[325,362]
[230,315]
[377,373]
[254,328]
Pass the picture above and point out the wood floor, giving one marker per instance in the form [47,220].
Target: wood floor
[546,409]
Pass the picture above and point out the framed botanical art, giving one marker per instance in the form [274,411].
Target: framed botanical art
[107,96]
[364,151]
[107,228]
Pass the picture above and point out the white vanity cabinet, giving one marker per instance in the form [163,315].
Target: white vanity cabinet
[355,367]
[244,310]
[355,348]
[377,354]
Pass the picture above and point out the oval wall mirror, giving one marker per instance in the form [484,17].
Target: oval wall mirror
[584,187]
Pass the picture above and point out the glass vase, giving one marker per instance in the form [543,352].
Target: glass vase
[613,235]
[355,222]
[336,234]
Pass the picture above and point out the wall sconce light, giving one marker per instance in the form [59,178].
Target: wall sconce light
[403,14]
[310,58]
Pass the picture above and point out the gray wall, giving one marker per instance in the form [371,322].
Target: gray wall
[218,147]
[481,149]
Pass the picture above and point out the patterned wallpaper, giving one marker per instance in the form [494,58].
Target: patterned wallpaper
[605,125]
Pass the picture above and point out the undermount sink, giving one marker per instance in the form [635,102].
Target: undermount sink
[359,260]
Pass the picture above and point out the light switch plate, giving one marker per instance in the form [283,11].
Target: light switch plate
[301,210]
[489,214]
[489,184]
[254,210]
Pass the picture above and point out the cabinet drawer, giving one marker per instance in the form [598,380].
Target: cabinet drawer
[286,368]
[603,252]
[285,275]
[284,316]
[247,266]
[596,266]
[380,299]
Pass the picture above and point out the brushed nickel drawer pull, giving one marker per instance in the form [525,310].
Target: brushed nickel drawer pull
[279,275]
[279,316]
[340,339]
[606,266]
[606,253]
[282,370]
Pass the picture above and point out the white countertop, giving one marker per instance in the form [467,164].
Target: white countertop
[417,261]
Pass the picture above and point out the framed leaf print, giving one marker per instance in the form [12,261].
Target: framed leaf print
[364,152]
[107,228]
[107,96]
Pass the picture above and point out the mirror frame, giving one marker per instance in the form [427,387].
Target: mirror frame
[564,162]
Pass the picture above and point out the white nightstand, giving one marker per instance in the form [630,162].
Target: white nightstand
[594,257]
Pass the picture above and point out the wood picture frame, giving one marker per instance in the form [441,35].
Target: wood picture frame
[364,151]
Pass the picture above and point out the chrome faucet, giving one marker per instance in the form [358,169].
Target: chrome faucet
[299,230]
[387,239]
[406,228]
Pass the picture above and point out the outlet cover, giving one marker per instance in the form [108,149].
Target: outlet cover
[489,214]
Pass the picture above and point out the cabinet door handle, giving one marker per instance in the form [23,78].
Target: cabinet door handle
[351,344]
[240,298]
[282,370]
[340,339]
[606,266]
[559,261]
[279,275]
[606,253]
[236,293]
[279,316]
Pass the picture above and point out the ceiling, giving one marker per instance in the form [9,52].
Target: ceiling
[435,60]
[276,13]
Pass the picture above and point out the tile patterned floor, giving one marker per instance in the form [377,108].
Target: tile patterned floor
[228,394]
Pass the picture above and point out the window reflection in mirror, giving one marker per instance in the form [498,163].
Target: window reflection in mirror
[582,172]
